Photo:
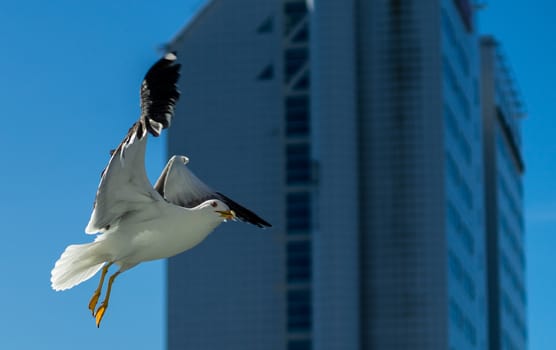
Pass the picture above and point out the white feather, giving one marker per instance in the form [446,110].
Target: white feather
[78,263]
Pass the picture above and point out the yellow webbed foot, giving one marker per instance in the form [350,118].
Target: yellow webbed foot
[104,305]
[100,313]
[94,301]
[96,294]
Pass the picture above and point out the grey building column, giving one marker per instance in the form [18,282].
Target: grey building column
[335,149]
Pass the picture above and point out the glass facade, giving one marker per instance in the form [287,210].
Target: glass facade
[298,175]
[366,136]
[298,163]
[463,182]
[504,167]
[297,111]
[510,246]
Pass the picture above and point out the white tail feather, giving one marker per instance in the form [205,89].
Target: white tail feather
[78,263]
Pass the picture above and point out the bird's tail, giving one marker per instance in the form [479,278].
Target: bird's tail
[78,263]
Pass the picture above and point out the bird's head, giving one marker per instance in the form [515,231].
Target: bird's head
[221,209]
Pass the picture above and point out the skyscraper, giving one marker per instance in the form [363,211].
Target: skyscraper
[355,127]
[502,113]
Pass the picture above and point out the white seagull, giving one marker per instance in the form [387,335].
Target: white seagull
[134,221]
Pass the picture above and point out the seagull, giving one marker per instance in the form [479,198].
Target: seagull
[134,221]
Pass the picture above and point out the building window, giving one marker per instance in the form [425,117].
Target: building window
[462,143]
[450,33]
[297,116]
[465,11]
[299,344]
[459,181]
[511,236]
[299,261]
[459,319]
[295,59]
[302,83]
[461,275]
[302,36]
[459,227]
[454,86]
[298,213]
[298,164]
[299,310]
[294,12]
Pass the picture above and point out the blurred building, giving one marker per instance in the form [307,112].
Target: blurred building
[505,227]
[355,127]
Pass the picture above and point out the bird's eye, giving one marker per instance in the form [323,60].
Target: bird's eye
[213,204]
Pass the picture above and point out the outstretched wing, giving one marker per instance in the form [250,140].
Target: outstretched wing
[124,186]
[178,185]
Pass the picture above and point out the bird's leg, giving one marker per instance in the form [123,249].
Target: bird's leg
[96,294]
[104,305]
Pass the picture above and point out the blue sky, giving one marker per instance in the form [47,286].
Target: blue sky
[70,73]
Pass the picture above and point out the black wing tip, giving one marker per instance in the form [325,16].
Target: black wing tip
[261,223]
[159,93]
[255,220]
[243,213]
[168,61]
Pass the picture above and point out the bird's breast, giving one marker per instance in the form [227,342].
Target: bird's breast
[174,231]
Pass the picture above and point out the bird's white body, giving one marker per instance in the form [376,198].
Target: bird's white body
[160,231]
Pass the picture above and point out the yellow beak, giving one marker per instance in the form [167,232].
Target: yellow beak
[227,214]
